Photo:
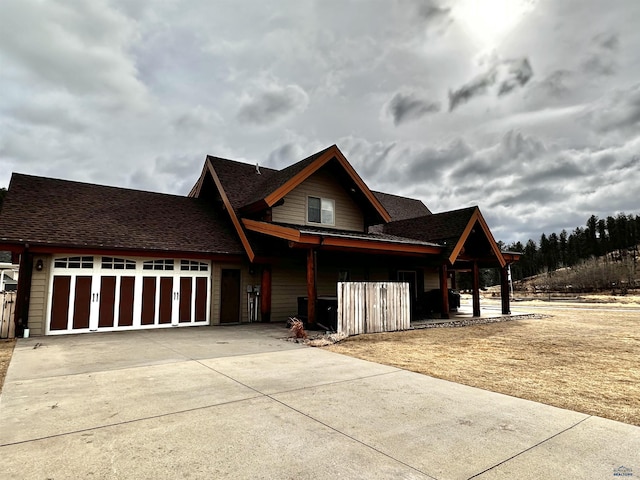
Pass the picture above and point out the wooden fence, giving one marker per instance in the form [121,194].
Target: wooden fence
[7,309]
[370,307]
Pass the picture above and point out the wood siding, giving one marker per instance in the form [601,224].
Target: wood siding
[348,215]
[39,294]
[431,279]
[288,282]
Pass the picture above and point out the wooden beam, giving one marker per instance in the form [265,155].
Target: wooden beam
[265,294]
[444,290]
[232,214]
[311,286]
[504,290]
[307,239]
[476,290]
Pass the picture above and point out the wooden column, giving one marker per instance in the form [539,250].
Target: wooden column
[23,295]
[444,290]
[311,286]
[476,290]
[504,290]
[265,294]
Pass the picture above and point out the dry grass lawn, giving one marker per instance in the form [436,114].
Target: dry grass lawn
[6,350]
[579,359]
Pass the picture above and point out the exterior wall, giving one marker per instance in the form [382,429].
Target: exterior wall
[39,294]
[288,282]
[348,215]
[431,279]
[246,279]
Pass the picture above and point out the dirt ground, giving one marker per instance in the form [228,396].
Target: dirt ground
[6,350]
[584,359]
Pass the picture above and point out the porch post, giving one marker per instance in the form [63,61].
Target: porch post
[444,290]
[504,290]
[311,286]
[476,289]
[21,318]
[265,294]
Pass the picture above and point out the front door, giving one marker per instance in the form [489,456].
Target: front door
[230,296]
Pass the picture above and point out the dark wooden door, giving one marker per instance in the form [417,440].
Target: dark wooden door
[148,301]
[60,303]
[230,296]
[166,300]
[185,300]
[107,301]
[201,299]
[125,310]
[82,302]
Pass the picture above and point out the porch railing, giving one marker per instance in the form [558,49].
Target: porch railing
[371,307]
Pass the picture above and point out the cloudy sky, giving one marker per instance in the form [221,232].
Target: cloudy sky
[528,108]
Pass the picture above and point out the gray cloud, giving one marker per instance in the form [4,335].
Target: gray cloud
[601,59]
[272,105]
[284,155]
[505,74]
[618,110]
[406,107]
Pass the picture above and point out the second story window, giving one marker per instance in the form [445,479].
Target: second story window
[320,210]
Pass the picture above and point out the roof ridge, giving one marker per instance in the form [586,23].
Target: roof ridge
[93,185]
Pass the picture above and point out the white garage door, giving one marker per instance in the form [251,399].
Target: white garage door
[94,293]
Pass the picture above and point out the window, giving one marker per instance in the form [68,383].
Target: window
[111,263]
[320,210]
[74,262]
[193,266]
[158,265]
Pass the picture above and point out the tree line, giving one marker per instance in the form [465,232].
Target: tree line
[613,238]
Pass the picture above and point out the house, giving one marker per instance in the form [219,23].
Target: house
[245,245]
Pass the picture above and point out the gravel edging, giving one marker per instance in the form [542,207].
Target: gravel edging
[478,321]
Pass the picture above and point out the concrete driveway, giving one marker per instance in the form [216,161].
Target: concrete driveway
[240,402]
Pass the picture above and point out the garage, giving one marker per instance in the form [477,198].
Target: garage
[104,293]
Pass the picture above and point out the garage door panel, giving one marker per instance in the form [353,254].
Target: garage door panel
[166,300]
[60,302]
[201,299]
[82,302]
[148,301]
[185,299]
[107,301]
[127,295]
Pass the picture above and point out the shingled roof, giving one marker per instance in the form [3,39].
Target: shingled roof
[449,229]
[241,180]
[437,227]
[46,211]
[401,208]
